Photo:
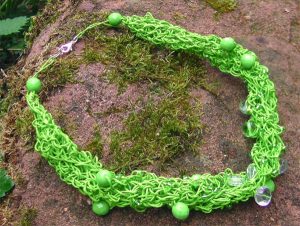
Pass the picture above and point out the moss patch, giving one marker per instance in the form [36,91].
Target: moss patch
[157,133]
[62,72]
[23,125]
[130,60]
[162,128]
[27,216]
[6,213]
[222,6]
[49,14]
[95,146]
[22,216]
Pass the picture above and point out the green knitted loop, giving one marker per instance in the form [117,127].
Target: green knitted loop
[141,189]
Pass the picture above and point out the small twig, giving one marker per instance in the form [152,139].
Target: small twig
[3,72]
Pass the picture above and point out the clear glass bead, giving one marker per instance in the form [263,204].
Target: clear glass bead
[168,188]
[251,171]
[283,166]
[136,202]
[263,196]
[249,129]
[243,107]
[235,180]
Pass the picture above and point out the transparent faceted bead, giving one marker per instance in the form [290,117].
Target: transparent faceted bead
[204,196]
[243,107]
[249,129]
[251,171]
[195,181]
[136,202]
[263,196]
[283,166]
[167,189]
[235,180]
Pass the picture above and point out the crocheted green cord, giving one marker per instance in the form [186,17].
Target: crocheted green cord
[140,189]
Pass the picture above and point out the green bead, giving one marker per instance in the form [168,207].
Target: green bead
[247,61]
[100,208]
[114,19]
[180,211]
[104,178]
[33,84]
[228,44]
[271,185]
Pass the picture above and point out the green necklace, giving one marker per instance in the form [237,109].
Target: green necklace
[141,190]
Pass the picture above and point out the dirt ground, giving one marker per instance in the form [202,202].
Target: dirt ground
[269,28]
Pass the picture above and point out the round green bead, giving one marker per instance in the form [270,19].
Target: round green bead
[100,208]
[228,44]
[103,178]
[180,211]
[114,19]
[271,185]
[247,61]
[33,84]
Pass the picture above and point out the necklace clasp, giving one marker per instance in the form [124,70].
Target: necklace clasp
[66,48]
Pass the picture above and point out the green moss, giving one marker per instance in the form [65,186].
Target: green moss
[91,56]
[156,134]
[78,22]
[178,16]
[6,212]
[59,74]
[10,90]
[96,146]
[162,128]
[129,60]
[28,216]
[18,216]
[62,72]
[49,14]
[222,5]
[23,125]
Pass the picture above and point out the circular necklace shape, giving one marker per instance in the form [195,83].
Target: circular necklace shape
[141,189]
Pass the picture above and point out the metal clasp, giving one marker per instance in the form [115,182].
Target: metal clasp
[68,47]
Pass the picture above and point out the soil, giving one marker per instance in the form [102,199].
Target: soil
[269,28]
